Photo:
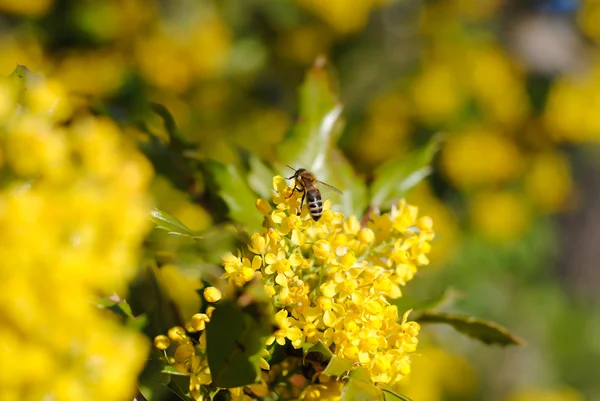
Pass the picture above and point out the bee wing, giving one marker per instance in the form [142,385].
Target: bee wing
[331,187]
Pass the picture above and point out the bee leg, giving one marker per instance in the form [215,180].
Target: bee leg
[299,211]
[295,189]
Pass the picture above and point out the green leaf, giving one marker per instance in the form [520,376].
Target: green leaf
[170,370]
[237,195]
[391,395]
[231,342]
[164,221]
[121,308]
[107,302]
[310,138]
[19,81]
[169,124]
[235,337]
[483,330]
[260,177]
[23,77]
[361,373]
[318,348]
[153,381]
[446,298]
[213,393]
[311,143]
[396,177]
[126,308]
[180,385]
[360,387]
[340,173]
[338,366]
[138,323]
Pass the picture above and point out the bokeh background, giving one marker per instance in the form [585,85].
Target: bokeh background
[514,86]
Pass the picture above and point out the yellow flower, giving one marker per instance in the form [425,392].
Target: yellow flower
[263,206]
[337,290]
[92,73]
[156,51]
[335,287]
[437,93]
[27,7]
[258,244]
[497,85]
[446,222]
[587,18]
[345,17]
[177,334]
[162,342]
[499,216]
[548,181]
[388,122]
[479,157]
[286,330]
[73,215]
[280,265]
[570,113]
[240,270]
[198,321]
[212,294]
[322,249]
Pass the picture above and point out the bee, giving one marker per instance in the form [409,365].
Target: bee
[306,182]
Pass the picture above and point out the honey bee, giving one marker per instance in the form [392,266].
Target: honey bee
[306,182]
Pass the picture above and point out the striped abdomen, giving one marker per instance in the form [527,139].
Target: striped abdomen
[315,203]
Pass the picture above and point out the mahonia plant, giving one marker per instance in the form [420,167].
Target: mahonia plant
[74,211]
[330,283]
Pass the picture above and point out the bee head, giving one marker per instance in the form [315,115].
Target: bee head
[296,172]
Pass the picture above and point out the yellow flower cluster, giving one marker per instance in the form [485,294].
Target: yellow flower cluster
[189,357]
[332,280]
[73,212]
[570,114]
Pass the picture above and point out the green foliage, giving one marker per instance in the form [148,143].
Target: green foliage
[164,221]
[235,337]
[121,308]
[427,311]
[153,382]
[319,348]
[445,298]
[391,395]
[310,139]
[359,387]
[338,366]
[22,77]
[312,142]
[237,194]
[483,330]
[260,177]
[232,342]
[397,176]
